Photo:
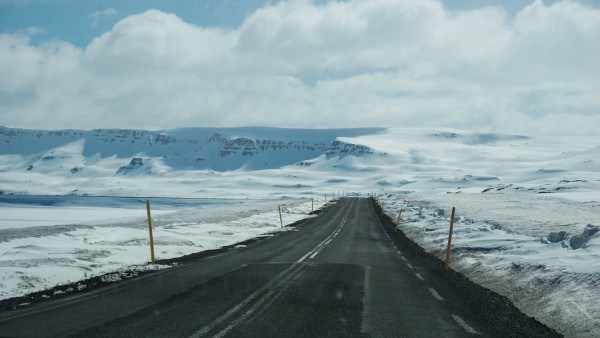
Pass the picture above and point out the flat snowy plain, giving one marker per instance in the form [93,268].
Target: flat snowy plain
[528,209]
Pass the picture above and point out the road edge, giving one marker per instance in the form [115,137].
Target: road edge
[105,280]
[471,291]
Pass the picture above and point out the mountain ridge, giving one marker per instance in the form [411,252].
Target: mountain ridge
[220,149]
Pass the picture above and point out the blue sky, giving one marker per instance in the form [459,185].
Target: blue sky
[79,21]
[522,66]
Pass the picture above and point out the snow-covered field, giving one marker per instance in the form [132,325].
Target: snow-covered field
[537,251]
[38,257]
[528,205]
[528,213]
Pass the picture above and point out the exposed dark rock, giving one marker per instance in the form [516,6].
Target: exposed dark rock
[135,163]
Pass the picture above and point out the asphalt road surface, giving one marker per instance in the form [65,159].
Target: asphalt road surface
[342,273]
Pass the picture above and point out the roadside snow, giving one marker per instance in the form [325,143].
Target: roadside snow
[39,258]
[521,199]
[503,241]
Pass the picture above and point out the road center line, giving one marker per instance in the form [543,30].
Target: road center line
[292,270]
[435,294]
[315,251]
[419,276]
[269,298]
[464,325]
[311,254]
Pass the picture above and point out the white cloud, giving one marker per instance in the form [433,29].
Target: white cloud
[297,64]
[35,30]
[100,14]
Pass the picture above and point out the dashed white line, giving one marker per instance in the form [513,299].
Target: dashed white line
[435,294]
[409,266]
[464,325]
[315,251]
[293,270]
[419,276]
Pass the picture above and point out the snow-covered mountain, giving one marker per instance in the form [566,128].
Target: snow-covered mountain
[527,205]
[255,161]
[144,151]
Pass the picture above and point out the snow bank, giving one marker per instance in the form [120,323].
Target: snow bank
[525,200]
[40,258]
[516,251]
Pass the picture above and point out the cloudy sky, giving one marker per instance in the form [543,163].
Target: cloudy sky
[514,66]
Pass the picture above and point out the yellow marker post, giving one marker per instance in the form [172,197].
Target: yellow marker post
[280,218]
[447,264]
[398,221]
[150,230]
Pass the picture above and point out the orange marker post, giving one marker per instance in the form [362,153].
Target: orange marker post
[447,264]
[150,230]
[398,221]
[280,218]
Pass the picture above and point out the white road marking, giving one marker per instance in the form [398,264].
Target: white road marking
[292,270]
[435,294]
[243,317]
[464,325]
[264,289]
[366,315]
[317,249]
[419,276]
[409,266]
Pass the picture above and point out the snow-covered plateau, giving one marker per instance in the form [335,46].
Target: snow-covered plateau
[72,202]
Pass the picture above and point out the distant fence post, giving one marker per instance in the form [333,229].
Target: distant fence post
[280,218]
[398,221]
[447,264]
[150,230]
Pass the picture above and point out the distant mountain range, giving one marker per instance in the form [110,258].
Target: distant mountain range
[218,149]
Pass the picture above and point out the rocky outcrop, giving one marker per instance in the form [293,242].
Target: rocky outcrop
[135,164]
[187,149]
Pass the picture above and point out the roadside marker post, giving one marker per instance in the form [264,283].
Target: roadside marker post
[447,264]
[150,231]
[398,221]
[312,205]
[280,218]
